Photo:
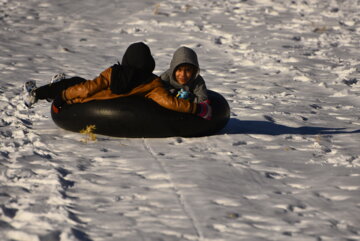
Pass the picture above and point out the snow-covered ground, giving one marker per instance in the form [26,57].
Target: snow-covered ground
[286,167]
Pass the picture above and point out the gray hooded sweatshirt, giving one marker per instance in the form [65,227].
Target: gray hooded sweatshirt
[195,86]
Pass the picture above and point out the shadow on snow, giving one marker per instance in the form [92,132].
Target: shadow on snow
[235,126]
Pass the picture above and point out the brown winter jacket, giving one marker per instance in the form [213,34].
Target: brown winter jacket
[99,89]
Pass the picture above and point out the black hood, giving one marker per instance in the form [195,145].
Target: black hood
[138,55]
[135,69]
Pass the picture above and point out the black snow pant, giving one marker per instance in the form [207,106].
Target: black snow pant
[50,91]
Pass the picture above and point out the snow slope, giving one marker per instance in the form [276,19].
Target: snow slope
[286,167]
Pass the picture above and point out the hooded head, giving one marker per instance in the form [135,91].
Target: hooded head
[183,55]
[136,68]
[138,56]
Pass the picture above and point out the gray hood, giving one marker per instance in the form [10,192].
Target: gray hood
[183,55]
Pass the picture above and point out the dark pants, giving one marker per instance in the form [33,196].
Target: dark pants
[50,91]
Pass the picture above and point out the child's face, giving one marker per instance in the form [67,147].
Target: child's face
[184,73]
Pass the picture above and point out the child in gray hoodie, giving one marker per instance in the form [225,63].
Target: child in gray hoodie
[183,79]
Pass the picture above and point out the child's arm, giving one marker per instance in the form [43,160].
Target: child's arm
[88,88]
[157,92]
[200,90]
[161,96]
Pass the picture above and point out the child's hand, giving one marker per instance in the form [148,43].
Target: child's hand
[204,110]
[183,94]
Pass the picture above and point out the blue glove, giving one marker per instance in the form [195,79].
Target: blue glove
[183,94]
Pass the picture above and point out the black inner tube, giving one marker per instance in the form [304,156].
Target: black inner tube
[138,117]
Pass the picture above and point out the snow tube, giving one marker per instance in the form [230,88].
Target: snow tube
[138,117]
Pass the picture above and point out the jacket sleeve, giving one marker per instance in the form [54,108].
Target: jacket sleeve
[200,90]
[88,88]
[161,96]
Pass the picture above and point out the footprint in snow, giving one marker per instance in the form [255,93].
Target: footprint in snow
[269,118]
[226,202]
[239,143]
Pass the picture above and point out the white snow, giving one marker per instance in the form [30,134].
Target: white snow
[286,167]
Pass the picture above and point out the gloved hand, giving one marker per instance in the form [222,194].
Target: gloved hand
[57,104]
[183,94]
[204,110]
